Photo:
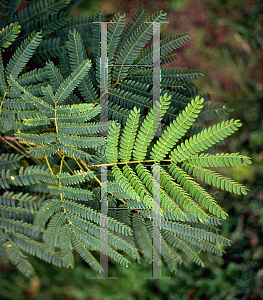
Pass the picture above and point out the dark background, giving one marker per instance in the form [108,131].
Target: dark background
[226,46]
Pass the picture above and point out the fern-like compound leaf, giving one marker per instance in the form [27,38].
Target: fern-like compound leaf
[40,9]
[218,160]
[9,8]
[53,229]
[39,103]
[113,137]
[49,110]
[66,246]
[215,179]
[78,177]
[16,256]
[76,50]
[9,34]
[49,23]
[204,140]
[71,193]
[148,129]
[9,161]
[199,194]
[133,45]
[71,82]
[22,55]
[176,130]
[45,138]
[114,35]
[167,46]
[138,18]
[128,135]
[85,253]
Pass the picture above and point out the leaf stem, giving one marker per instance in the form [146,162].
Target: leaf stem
[49,165]
[13,146]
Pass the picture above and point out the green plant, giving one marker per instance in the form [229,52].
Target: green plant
[50,114]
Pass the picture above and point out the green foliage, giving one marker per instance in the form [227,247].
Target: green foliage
[9,34]
[49,108]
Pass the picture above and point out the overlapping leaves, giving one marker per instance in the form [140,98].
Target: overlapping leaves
[180,194]
[45,107]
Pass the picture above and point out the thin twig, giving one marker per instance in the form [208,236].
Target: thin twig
[13,146]
[14,139]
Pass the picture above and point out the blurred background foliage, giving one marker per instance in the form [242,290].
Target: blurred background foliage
[226,46]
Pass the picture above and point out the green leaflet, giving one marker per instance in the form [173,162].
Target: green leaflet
[85,254]
[114,35]
[9,8]
[142,237]
[49,23]
[71,82]
[24,177]
[74,109]
[40,9]
[214,178]
[16,256]
[39,103]
[37,249]
[10,161]
[177,242]
[128,136]
[181,75]
[9,34]
[45,150]
[77,117]
[167,44]
[148,129]
[138,18]
[196,192]
[213,111]
[36,122]
[125,183]
[71,193]
[219,160]
[133,45]
[76,50]
[115,240]
[166,201]
[129,100]
[113,136]
[68,179]
[45,138]
[137,185]
[66,246]
[181,195]
[176,130]
[52,232]
[170,257]
[3,87]
[47,92]
[22,55]
[78,141]
[87,128]
[204,140]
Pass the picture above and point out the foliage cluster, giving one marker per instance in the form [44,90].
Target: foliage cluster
[50,113]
